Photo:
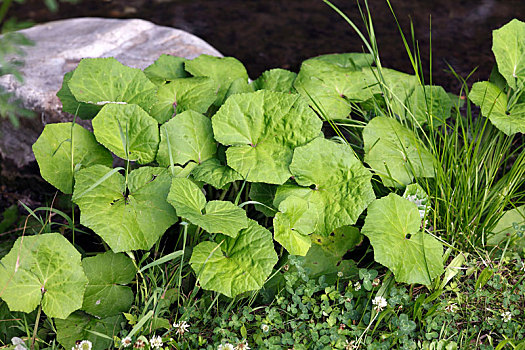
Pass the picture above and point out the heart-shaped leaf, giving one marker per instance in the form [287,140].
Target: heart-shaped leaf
[395,153]
[278,79]
[224,70]
[422,103]
[166,68]
[261,129]
[53,151]
[293,223]
[214,173]
[508,45]
[340,186]
[494,105]
[80,326]
[510,226]
[43,269]
[100,81]
[264,194]
[393,226]
[190,138]
[128,132]
[71,105]
[141,208]
[183,94]
[238,264]
[219,216]
[106,294]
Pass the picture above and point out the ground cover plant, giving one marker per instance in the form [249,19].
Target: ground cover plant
[330,208]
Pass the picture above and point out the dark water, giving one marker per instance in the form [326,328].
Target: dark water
[270,34]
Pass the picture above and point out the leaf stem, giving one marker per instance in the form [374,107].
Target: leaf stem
[37,321]
[185,225]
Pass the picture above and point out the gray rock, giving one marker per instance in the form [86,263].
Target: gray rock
[60,45]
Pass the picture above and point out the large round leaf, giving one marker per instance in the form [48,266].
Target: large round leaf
[276,80]
[43,269]
[340,184]
[80,326]
[126,218]
[127,131]
[190,138]
[509,49]
[395,153]
[106,294]
[393,226]
[218,217]
[493,103]
[263,128]
[421,103]
[510,226]
[70,104]
[53,151]
[166,68]
[183,94]
[239,264]
[214,173]
[224,70]
[100,81]
[293,223]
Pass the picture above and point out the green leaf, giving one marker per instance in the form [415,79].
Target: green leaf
[423,103]
[395,153]
[106,294]
[43,269]
[325,256]
[238,86]
[100,81]
[218,217]
[190,139]
[393,227]
[71,105]
[331,88]
[53,153]
[126,219]
[261,129]
[239,264]
[340,186]
[510,226]
[293,223]
[224,70]
[214,173]
[352,60]
[127,131]
[166,68]
[80,326]
[184,94]
[278,79]
[493,103]
[265,194]
[508,45]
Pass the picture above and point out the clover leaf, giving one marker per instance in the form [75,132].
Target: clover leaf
[224,70]
[190,138]
[166,68]
[106,294]
[183,94]
[100,81]
[393,226]
[236,265]
[60,142]
[334,181]
[141,208]
[80,326]
[43,269]
[262,129]
[218,217]
[508,45]
[128,132]
[395,153]
[494,105]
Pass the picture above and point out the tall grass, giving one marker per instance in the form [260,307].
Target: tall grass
[479,171]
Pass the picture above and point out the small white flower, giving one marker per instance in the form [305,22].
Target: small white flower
[181,327]
[340,274]
[243,345]
[350,345]
[83,345]
[379,303]
[18,343]
[226,346]
[506,316]
[451,308]
[155,342]
[265,328]
[357,286]
[126,342]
